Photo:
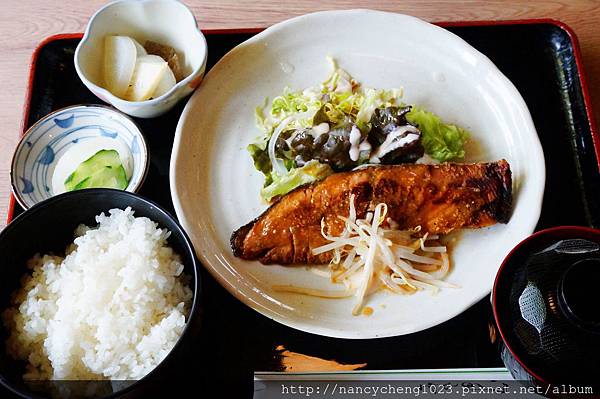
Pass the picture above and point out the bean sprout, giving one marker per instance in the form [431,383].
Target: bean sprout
[368,256]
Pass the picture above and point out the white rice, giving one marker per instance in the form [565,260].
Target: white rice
[113,308]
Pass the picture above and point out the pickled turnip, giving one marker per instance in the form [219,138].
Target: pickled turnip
[139,48]
[166,83]
[119,63]
[148,72]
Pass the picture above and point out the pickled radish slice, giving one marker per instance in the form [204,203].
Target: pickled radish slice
[148,72]
[139,48]
[119,63]
[166,83]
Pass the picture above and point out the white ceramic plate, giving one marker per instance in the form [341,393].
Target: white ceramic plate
[215,188]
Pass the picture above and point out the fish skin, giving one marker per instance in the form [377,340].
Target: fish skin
[439,198]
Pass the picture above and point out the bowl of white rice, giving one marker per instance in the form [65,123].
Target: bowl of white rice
[99,287]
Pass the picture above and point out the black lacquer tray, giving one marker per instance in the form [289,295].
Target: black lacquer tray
[540,57]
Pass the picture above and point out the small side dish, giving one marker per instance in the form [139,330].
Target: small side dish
[138,73]
[112,308]
[99,162]
[83,146]
[144,79]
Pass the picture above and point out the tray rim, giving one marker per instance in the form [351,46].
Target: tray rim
[444,24]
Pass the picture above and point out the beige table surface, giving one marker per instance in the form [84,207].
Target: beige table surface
[24,23]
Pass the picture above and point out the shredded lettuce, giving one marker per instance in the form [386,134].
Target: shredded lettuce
[373,99]
[335,100]
[441,141]
[339,101]
[310,172]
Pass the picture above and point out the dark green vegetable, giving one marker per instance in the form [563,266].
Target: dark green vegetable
[330,148]
[383,122]
[262,162]
[333,149]
[101,170]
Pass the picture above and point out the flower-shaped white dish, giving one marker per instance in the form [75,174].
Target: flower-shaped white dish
[168,22]
[39,165]
[216,189]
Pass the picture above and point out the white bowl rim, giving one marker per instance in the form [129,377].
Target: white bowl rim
[138,131]
[157,100]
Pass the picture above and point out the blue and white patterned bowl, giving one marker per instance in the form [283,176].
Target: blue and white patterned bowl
[42,146]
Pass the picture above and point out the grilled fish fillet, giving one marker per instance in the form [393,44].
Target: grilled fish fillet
[439,198]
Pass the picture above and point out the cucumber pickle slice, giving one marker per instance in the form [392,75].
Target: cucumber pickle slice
[102,170]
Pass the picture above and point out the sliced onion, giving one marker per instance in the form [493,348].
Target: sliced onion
[444,269]
[408,255]
[313,291]
[277,163]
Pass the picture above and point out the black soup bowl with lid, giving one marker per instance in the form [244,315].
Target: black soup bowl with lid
[48,227]
[546,302]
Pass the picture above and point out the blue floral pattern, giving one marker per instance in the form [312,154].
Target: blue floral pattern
[50,138]
[27,186]
[106,133]
[66,122]
[48,156]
